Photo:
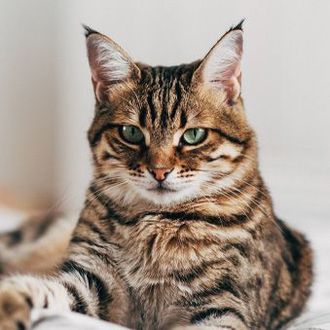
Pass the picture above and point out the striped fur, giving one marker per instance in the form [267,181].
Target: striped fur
[200,250]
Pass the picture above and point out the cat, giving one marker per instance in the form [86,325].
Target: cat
[178,229]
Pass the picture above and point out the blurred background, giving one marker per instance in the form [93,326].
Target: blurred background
[46,98]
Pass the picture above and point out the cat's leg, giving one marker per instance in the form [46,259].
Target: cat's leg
[86,284]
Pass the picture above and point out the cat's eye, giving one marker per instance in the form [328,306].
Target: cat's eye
[131,134]
[194,136]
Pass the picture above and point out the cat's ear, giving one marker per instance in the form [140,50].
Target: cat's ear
[110,65]
[221,67]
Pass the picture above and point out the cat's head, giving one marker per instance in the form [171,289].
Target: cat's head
[168,134]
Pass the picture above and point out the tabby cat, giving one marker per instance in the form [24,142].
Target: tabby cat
[178,229]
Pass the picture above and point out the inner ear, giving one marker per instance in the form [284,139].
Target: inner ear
[221,67]
[110,65]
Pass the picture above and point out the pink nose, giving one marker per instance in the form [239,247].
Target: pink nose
[160,174]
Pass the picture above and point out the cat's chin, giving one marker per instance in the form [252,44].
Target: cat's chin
[162,197]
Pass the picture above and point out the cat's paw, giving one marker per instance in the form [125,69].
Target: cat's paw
[15,308]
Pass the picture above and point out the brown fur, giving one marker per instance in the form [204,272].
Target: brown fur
[217,259]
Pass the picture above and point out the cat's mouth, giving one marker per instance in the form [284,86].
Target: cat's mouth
[161,188]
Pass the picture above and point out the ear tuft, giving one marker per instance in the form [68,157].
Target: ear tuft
[88,31]
[239,26]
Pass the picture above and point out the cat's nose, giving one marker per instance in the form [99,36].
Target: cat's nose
[160,174]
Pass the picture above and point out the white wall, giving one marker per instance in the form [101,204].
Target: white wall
[286,84]
[28,75]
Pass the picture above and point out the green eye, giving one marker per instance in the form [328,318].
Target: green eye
[131,134]
[194,135]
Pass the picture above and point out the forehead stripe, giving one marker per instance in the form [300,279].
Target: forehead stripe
[177,99]
[151,107]
[142,117]
[165,97]
[183,119]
